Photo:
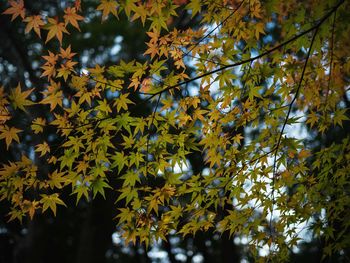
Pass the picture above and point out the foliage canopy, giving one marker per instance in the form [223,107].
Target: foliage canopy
[229,90]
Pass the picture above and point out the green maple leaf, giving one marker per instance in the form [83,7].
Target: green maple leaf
[98,186]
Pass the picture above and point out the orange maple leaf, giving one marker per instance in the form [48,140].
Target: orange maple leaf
[16,9]
[108,6]
[146,85]
[49,66]
[49,70]
[34,22]
[71,17]
[66,53]
[51,58]
[153,49]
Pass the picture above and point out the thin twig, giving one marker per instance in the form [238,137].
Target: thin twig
[331,59]
[150,130]
[283,127]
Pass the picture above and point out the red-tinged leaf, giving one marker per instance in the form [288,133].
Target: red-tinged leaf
[146,85]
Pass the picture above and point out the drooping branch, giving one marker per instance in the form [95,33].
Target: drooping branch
[269,51]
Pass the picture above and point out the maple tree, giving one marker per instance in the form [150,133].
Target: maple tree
[229,90]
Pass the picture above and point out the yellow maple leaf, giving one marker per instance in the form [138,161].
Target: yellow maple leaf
[108,6]
[53,99]
[42,148]
[4,115]
[51,201]
[19,98]
[38,125]
[56,29]
[259,30]
[34,22]
[140,12]
[16,9]
[9,134]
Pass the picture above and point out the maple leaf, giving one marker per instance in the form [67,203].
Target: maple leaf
[125,215]
[34,22]
[140,12]
[97,70]
[71,17]
[16,9]
[42,148]
[122,102]
[56,29]
[153,49]
[146,85]
[38,124]
[108,6]
[259,29]
[98,186]
[50,201]
[135,82]
[66,53]
[57,180]
[81,190]
[9,134]
[31,207]
[4,114]
[49,71]
[194,6]
[237,139]
[339,117]
[49,66]
[66,69]
[19,98]
[51,58]
[53,99]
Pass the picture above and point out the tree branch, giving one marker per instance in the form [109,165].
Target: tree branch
[321,21]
